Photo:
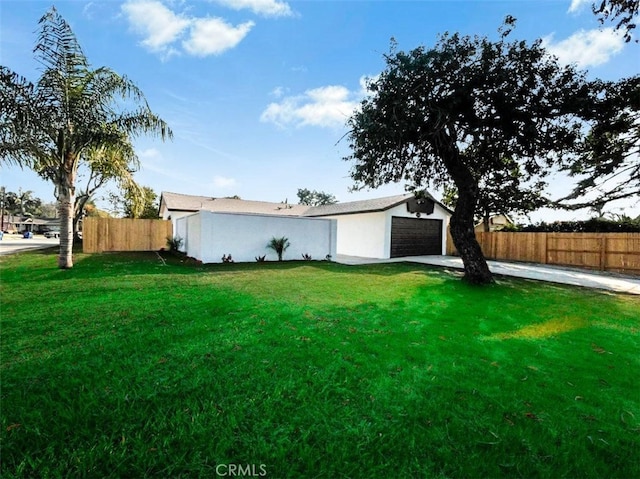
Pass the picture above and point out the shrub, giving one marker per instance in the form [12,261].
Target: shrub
[174,244]
[279,245]
[306,257]
[593,225]
[261,259]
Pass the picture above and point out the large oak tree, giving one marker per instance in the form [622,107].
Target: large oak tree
[464,109]
[52,125]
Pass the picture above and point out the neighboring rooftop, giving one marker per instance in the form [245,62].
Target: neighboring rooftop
[179,202]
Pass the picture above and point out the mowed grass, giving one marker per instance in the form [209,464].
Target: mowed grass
[127,367]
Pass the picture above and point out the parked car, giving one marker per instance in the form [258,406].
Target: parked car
[52,234]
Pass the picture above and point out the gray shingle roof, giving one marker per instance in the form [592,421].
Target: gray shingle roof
[180,202]
[362,206]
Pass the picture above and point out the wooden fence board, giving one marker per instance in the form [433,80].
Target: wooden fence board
[619,252]
[115,234]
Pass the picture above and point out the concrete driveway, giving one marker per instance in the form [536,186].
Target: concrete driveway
[15,243]
[553,274]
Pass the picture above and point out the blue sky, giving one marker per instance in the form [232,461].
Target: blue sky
[257,92]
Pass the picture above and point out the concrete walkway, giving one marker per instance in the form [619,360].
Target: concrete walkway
[586,278]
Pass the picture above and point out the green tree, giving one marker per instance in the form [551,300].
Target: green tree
[607,166]
[315,198]
[23,203]
[459,111]
[50,126]
[141,204]
[103,164]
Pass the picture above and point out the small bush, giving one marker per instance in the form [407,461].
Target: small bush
[306,257]
[174,244]
[261,259]
[227,258]
[279,245]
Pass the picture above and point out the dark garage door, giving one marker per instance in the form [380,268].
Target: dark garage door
[415,237]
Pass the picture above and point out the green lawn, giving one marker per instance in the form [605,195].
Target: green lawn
[125,367]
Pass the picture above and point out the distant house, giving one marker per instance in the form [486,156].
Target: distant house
[20,224]
[394,226]
[496,223]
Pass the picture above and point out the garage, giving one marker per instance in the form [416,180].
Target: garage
[415,237]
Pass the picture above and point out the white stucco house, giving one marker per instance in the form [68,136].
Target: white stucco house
[389,227]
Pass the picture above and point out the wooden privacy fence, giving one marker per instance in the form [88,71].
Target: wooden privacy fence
[113,234]
[619,252]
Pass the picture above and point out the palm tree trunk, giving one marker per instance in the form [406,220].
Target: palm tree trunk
[65,205]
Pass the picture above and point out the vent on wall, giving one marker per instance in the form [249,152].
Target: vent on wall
[420,205]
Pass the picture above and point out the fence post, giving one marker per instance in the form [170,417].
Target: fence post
[603,252]
[546,248]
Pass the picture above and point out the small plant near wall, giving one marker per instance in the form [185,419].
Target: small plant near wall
[279,245]
[174,243]
[306,257]
[227,258]
[261,259]
[328,257]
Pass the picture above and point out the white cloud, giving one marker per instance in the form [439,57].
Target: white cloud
[328,106]
[162,28]
[272,8]
[576,5]
[159,25]
[586,48]
[277,92]
[212,36]
[224,182]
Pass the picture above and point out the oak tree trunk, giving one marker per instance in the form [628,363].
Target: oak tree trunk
[476,270]
[464,238]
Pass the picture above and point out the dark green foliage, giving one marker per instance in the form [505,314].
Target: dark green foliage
[315,198]
[606,165]
[174,244]
[466,109]
[624,12]
[593,225]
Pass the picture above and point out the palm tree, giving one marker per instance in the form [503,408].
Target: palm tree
[51,126]
[279,245]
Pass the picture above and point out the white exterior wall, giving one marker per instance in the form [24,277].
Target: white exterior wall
[245,236]
[362,234]
[192,244]
[368,235]
[175,216]
[180,229]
